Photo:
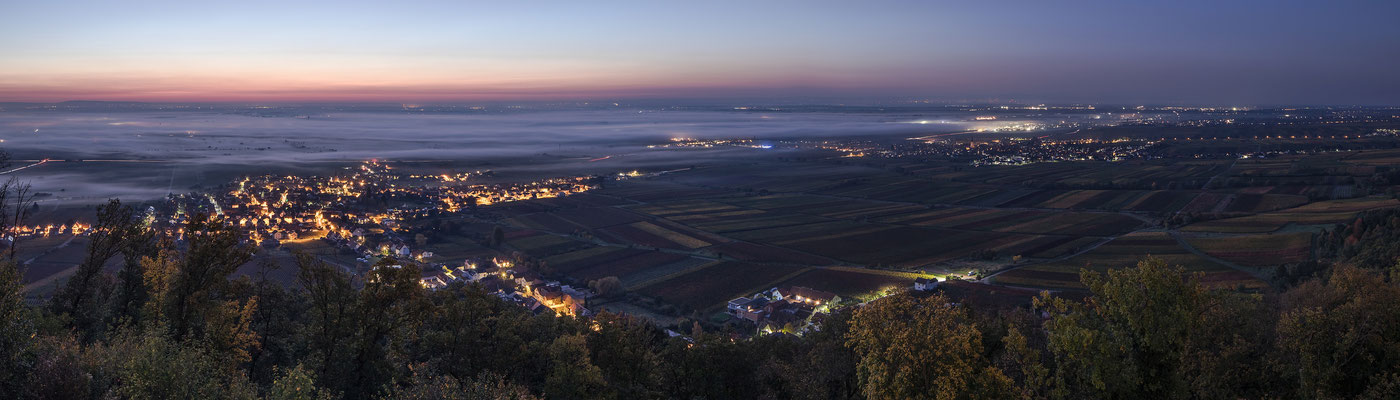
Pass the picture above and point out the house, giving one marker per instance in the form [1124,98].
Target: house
[533,305]
[550,295]
[562,298]
[925,284]
[747,304]
[492,284]
[777,306]
[803,295]
[527,275]
[527,284]
[434,281]
[577,309]
[739,304]
[813,296]
[578,295]
[491,270]
[777,322]
[469,275]
[527,278]
[783,309]
[751,315]
[447,272]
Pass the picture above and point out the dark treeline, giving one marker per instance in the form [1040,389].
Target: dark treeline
[173,324]
[1367,242]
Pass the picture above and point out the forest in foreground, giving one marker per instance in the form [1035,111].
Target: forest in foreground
[172,323]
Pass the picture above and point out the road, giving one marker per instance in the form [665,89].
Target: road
[41,162]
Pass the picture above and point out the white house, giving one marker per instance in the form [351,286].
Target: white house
[925,284]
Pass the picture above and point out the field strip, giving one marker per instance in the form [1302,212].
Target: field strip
[990,279]
[50,279]
[1136,215]
[873,228]
[677,237]
[644,284]
[1193,250]
[898,274]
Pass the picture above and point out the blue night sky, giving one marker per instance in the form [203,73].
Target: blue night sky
[1217,52]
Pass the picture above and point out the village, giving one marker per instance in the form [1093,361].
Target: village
[367,212]
[362,211]
[795,310]
[518,285]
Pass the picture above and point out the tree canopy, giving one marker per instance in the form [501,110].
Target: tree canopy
[189,327]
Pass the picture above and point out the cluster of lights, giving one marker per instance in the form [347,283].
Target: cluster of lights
[306,208]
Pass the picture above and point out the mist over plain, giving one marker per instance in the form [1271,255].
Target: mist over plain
[147,154]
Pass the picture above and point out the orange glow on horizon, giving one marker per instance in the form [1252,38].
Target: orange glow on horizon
[419,83]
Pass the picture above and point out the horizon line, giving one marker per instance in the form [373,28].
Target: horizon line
[828,101]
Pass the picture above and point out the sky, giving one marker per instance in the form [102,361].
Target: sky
[1157,52]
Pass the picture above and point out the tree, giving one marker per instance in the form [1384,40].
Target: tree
[19,207]
[1022,362]
[1127,340]
[572,374]
[297,383]
[59,370]
[498,237]
[391,308]
[420,240]
[330,312]
[1342,336]
[624,349]
[815,366]
[607,286]
[1114,346]
[1231,354]
[911,348]
[426,385]
[276,321]
[131,294]
[81,297]
[189,292]
[187,282]
[16,333]
[149,365]
[357,340]
[470,331]
[1152,331]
